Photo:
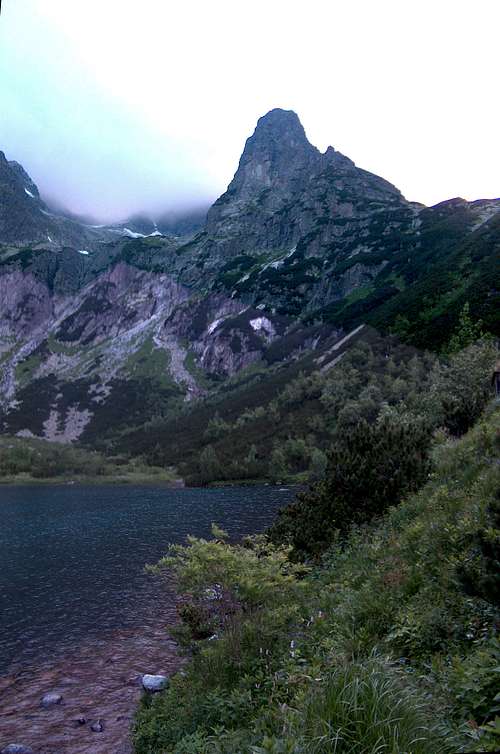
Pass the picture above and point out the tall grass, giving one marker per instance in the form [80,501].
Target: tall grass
[366,708]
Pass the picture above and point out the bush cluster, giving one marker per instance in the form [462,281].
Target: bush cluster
[380,453]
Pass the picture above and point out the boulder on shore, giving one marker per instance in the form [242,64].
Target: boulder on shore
[154,682]
[48,700]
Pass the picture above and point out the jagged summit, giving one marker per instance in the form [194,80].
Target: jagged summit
[20,204]
[285,189]
[282,126]
[28,182]
[277,156]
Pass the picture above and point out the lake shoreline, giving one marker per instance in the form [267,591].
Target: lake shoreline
[99,680]
[104,481]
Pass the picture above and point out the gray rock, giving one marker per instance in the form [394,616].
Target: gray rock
[17,749]
[50,699]
[97,727]
[154,682]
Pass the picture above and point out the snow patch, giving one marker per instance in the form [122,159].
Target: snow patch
[261,323]
[215,324]
[50,239]
[83,251]
[131,234]
[278,262]
[27,191]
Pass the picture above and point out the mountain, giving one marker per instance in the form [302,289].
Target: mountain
[291,217]
[312,235]
[105,329]
[26,220]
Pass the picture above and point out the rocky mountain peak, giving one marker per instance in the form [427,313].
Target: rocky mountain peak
[280,126]
[276,160]
[286,189]
[277,152]
[20,203]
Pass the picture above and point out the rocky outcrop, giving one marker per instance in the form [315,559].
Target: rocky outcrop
[292,216]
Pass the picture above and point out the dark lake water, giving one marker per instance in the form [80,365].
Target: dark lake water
[72,558]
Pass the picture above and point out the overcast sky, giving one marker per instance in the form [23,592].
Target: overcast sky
[115,106]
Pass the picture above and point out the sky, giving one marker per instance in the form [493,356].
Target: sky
[122,106]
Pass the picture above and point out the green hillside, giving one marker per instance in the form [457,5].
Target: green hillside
[388,644]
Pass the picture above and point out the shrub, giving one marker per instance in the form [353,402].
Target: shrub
[461,387]
[278,468]
[370,467]
[209,464]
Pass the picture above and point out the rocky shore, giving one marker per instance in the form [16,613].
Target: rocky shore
[83,701]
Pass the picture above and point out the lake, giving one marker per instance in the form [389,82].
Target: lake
[72,557]
[78,614]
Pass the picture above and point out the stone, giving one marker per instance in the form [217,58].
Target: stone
[48,700]
[154,682]
[97,727]
[81,720]
[17,749]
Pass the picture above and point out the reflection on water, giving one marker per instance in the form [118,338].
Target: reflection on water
[72,558]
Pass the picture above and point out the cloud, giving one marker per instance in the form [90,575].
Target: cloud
[121,106]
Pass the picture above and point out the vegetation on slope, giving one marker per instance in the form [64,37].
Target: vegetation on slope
[372,465]
[420,293]
[387,645]
[25,460]
[278,423]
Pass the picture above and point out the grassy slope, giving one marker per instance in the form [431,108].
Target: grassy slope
[383,649]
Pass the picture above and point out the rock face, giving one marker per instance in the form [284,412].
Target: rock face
[302,213]
[20,204]
[276,164]
[154,683]
[283,185]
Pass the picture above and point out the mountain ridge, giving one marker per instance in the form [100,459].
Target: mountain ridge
[300,240]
